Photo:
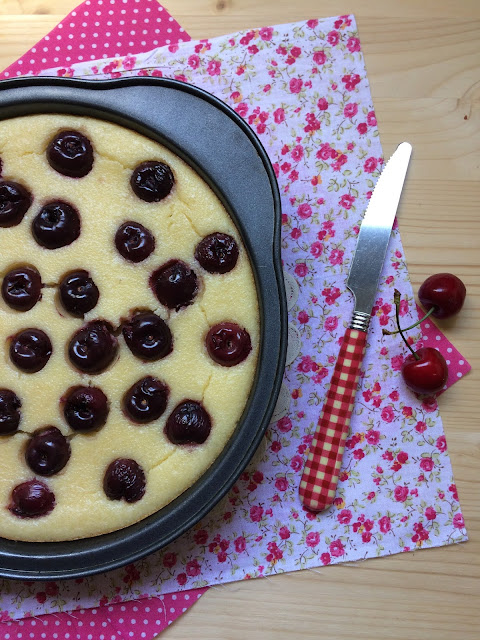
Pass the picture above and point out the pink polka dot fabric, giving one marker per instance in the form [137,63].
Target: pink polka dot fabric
[100,29]
[136,620]
[433,337]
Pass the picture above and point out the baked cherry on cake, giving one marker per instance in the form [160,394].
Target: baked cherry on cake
[129,326]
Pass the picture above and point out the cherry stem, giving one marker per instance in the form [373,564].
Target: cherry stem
[396,300]
[386,332]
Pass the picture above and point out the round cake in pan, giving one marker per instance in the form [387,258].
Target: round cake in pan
[129,327]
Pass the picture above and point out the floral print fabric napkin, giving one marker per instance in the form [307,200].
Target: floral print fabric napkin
[304,90]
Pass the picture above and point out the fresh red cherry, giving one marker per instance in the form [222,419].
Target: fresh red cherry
[9,412]
[85,408]
[22,288]
[228,344]
[48,451]
[152,181]
[31,499]
[71,154]
[15,201]
[124,478]
[426,374]
[443,291]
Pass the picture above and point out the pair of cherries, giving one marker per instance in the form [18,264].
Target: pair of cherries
[425,370]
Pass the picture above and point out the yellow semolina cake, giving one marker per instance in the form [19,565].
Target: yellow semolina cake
[129,327]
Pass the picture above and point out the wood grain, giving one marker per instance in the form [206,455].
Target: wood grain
[423,61]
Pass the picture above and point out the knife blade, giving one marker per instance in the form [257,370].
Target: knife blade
[322,467]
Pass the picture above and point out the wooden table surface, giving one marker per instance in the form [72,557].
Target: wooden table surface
[423,62]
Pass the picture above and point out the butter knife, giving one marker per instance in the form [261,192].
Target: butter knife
[322,468]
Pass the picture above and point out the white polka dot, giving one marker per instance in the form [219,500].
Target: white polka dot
[184,609]
[97,24]
[169,31]
[130,44]
[85,13]
[120,33]
[104,624]
[186,596]
[57,623]
[80,623]
[68,58]
[133,621]
[147,609]
[143,43]
[44,59]
[92,623]
[459,374]
[71,36]
[120,620]
[438,337]
[34,50]
[111,12]
[59,37]
[94,46]
[135,11]
[449,349]
[57,48]
[427,326]
[174,597]
[147,20]
[145,621]
[143,634]
[72,24]
[81,46]
[60,26]
[55,635]
[134,21]
[461,362]
[172,610]
[158,622]
[170,19]
[131,634]
[160,610]
[74,13]
[447,361]
[69,47]
[67,636]
[199,595]
[135,608]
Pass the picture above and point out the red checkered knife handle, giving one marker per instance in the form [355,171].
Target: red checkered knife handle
[322,468]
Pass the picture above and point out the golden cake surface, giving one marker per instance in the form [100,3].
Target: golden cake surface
[105,199]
